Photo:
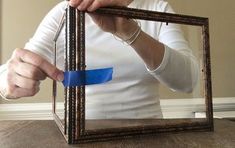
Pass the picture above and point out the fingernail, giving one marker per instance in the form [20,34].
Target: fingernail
[90,9]
[80,8]
[60,77]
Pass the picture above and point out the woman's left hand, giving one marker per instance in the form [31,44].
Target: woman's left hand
[92,5]
[120,27]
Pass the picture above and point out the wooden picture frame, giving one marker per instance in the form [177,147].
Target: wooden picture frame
[73,127]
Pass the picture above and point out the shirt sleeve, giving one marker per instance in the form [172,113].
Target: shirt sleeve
[42,42]
[3,68]
[179,68]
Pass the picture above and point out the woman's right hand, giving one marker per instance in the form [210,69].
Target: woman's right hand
[25,70]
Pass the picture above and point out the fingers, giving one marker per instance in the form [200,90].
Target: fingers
[38,63]
[15,92]
[103,3]
[25,83]
[30,71]
[26,92]
[75,3]
[25,70]
[84,5]
[18,86]
[97,4]
[92,5]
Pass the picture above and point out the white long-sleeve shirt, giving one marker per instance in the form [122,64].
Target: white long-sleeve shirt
[134,90]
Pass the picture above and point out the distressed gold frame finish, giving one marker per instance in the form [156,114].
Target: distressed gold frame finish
[73,128]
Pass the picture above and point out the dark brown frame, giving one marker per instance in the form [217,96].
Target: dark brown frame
[74,127]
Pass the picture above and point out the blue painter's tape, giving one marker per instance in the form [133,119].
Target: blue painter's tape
[87,77]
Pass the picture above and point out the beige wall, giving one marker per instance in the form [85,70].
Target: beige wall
[222,37]
[21,17]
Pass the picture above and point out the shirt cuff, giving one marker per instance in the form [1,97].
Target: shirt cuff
[163,64]
[3,96]
[3,68]
[2,73]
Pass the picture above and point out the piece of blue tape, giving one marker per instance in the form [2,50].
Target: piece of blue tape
[87,77]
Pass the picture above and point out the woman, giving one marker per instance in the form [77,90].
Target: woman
[157,53]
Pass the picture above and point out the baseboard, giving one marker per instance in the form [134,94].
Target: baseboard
[176,108]
[195,108]
[28,111]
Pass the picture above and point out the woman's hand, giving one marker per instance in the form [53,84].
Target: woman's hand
[92,5]
[120,27]
[148,48]
[25,70]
